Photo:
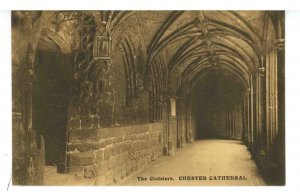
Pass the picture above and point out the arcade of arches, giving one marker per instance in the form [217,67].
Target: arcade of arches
[100,95]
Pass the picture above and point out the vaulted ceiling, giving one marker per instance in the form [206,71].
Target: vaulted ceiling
[191,44]
[198,43]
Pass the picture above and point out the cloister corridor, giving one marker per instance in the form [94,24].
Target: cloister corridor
[104,97]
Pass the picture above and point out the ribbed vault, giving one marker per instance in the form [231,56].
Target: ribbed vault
[195,42]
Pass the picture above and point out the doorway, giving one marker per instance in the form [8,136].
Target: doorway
[51,97]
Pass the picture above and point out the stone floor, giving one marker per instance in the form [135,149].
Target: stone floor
[204,158]
[52,178]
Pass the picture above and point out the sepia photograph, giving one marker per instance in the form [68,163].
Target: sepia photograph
[148,98]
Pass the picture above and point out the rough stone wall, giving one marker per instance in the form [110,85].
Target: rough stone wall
[109,155]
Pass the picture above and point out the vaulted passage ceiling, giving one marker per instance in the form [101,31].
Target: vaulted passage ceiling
[186,44]
[198,43]
[161,53]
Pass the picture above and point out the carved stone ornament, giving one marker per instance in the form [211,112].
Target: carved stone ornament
[101,47]
[92,62]
[279,44]
[102,42]
[261,71]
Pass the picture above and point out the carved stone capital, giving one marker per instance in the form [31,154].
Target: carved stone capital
[261,71]
[279,44]
[247,92]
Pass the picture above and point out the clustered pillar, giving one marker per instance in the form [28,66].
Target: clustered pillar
[263,115]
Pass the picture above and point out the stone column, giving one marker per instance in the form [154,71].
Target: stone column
[233,123]
[243,121]
[172,134]
[179,118]
[262,131]
[247,117]
[27,120]
[249,140]
[190,138]
[280,47]
[228,123]
[252,112]
[165,119]
[184,121]
[255,128]
[188,122]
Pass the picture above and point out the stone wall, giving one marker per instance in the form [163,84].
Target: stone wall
[28,149]
[19,142]
[109,155]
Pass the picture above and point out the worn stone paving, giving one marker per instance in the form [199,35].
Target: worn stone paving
[205,159]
